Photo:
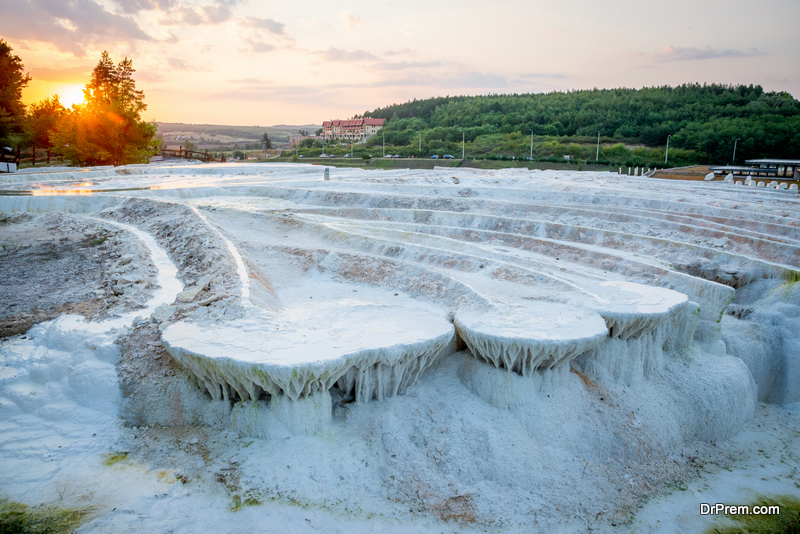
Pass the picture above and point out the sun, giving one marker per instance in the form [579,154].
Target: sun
[69,94]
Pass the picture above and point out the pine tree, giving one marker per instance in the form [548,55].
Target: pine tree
[108,128]
[13,80]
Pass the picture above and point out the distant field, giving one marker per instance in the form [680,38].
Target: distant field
[217,135]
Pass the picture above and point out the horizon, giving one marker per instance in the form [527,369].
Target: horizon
[226,63]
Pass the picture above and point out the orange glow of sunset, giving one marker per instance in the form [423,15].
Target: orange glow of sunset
[70,94]
[232,62]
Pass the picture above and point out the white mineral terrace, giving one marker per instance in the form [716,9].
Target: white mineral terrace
[533,268]
[489,325]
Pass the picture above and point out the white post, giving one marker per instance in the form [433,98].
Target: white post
[667,154]
[531,144]
[733,161]
[597,157]
[384,144]
[420,142]
[462,144]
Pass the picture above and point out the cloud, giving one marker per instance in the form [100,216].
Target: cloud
[179,64]
[345,56]
[679,53]
[259,46]
[79,74]
[257,27]
[267,92]
[134,6]
[149,76]
[269,25]
[404,65]
[250,81]
[350,20]
[542,75]
[462,79]
[69,25]
[212,14]
[315,24]
[400,52]
[466,79]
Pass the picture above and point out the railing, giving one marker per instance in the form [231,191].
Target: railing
[30,155]
[205,157]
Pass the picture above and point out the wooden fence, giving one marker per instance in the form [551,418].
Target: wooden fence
[205,157]
[30,155]
[33,155]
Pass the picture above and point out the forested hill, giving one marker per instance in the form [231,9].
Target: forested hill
[703,118]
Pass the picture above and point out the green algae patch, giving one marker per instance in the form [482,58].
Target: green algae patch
[113,458]
[786,522]
[240,501]
[19,518]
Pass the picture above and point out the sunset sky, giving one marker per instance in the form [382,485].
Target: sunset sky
[264,63]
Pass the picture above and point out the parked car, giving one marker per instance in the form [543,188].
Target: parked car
[347,155]
[435,156]
[448,156]
[331,155]
[301,156]
[397,156]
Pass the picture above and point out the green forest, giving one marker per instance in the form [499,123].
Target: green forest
[703,122]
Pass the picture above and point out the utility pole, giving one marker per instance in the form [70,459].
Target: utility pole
[597,157]
[384,143]
[420,142]
[531,144]
[462,145]
[733,161]
[667,154]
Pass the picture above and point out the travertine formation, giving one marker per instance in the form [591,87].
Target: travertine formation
[360,282]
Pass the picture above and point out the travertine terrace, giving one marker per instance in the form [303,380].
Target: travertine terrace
[613,320]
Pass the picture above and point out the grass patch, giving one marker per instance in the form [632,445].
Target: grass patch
[96,241]
[238,501]
[787,522]
[18,518]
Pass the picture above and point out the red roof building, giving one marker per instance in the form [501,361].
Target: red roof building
[351,129]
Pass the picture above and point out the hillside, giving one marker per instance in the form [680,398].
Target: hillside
[703,119]
[217,135]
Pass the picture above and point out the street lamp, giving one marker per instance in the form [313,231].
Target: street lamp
[462,145]
[597,157]
[531,144]
[420,142]
[384,143]
[667,154]
[733,161]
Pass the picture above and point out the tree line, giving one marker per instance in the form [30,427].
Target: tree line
[705,120]
[106,129]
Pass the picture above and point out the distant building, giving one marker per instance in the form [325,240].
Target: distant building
[351,129]
[293,139]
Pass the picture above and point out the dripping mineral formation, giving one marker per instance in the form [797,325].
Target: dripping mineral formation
[437,348]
